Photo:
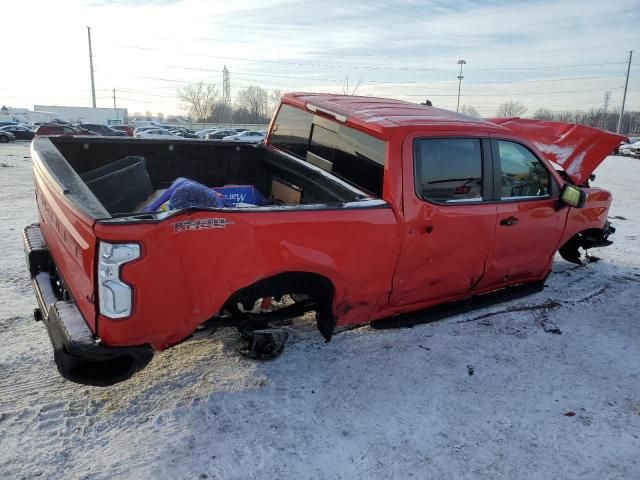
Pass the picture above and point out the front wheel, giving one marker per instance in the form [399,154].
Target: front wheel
[4,139]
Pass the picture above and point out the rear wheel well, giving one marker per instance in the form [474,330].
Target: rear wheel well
[317,288]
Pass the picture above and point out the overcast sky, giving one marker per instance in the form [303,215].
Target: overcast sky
[553,54]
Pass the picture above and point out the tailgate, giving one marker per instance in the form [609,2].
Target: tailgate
[67,230]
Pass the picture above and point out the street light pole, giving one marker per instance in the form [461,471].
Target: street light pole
[460,77]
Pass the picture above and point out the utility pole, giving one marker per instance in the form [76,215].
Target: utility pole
[226,94]
[460,77]
[624,95]
[93,86]
[115,109]
[603,119]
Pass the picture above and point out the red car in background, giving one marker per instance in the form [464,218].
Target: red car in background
[49,129]
[123,128]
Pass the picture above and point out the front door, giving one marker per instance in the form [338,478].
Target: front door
[449,222]
[529,223]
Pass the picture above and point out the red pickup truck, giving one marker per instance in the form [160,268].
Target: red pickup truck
[371,208]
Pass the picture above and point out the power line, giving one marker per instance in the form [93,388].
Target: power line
[391,82]
[561,51]
[184,82]
[372,67]
[282,62]
[415,84]
[297,77]
[497,94]
[560,79]
[550,66]
[136,100]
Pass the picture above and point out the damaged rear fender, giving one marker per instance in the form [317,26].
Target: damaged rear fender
[315,290]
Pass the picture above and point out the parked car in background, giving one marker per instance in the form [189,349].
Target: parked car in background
[247,137]
[123,128]
[103,130]
[634,149]
[182,133]
[48,129]
[181,129]
[205,132]
[7,122]
[142,129]
[6,137]
[625,148]
[156,133]
[19,131]
[220,134]
[146,123]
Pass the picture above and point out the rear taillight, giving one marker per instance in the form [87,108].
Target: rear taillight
[114,294]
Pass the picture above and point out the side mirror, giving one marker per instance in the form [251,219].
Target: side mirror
[573,196]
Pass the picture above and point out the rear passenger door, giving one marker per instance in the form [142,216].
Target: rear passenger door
[529,223]
[449,218]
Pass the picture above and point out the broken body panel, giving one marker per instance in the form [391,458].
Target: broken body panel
[576,148]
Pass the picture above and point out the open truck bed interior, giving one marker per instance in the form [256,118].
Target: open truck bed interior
[213,164]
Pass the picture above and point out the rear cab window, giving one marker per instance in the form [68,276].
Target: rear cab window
[349,154]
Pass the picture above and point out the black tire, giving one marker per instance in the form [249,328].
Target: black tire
[4,139]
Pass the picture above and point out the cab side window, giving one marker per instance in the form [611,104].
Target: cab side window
[521,173]
[448,170]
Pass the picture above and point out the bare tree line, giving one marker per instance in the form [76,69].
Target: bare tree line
[204,103]
[254,104]
[594,117]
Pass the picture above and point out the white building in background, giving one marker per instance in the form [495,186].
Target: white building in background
[47,113]
[106,116]
[24,115]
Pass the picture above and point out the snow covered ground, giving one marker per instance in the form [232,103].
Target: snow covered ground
[479,395]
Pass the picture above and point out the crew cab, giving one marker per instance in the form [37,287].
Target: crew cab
[371,208]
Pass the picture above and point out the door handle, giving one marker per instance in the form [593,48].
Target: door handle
[509,221]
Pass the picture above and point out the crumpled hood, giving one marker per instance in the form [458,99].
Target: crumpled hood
[577,148]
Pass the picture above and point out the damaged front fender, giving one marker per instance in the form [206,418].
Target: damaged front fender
[587,239]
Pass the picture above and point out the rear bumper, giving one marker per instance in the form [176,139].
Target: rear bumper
[79,355]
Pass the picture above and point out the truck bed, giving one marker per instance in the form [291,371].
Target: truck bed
[213,164]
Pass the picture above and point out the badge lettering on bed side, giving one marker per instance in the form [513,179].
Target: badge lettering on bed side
[201,224]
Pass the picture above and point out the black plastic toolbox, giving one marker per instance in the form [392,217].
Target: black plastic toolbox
[120,186]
